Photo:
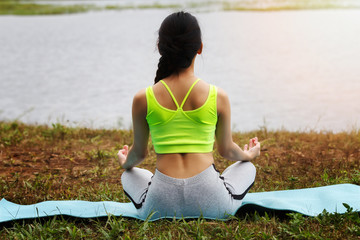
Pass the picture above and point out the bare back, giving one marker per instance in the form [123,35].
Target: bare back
[182,165]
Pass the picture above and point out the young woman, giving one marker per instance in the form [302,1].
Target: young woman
[183,114]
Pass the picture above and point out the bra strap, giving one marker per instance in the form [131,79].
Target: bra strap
[172,96]
[187,94]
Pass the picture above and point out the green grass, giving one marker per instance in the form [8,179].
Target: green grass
[32,8]
[56,162]
[16,8]
[253,226]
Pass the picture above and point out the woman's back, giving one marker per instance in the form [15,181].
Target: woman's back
[182,165]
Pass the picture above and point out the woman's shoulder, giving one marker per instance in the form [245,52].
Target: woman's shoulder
[221,94]
[223,101]
[140,95]
[139,101]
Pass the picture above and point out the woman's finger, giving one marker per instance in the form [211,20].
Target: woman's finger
[251,143]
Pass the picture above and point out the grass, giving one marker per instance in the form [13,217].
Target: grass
[19,8]
[11,7]
[24,7]
[56,162]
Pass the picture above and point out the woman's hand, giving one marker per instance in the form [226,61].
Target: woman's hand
[253,149]
[122,155]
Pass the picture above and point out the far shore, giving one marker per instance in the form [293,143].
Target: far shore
[16,7]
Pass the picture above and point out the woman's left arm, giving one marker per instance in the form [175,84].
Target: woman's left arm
[137,153]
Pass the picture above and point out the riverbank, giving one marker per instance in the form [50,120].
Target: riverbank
[24,7]
[41,163]
[33,8]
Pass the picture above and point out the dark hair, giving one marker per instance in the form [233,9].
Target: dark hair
[178,43]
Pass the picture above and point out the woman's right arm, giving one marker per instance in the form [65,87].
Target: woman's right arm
[226,147]
[129,158]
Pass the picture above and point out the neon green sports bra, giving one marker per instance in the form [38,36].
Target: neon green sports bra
[179,131]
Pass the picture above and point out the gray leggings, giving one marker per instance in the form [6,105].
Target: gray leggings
[206,194]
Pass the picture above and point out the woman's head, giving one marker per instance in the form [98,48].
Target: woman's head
[178,43]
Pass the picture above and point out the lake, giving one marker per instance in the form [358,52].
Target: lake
[297,70]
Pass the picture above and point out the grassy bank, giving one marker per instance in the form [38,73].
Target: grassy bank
[16,8]
[25,7]
[33,8]
[52,163]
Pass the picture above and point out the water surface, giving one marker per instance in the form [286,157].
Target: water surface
[295,69]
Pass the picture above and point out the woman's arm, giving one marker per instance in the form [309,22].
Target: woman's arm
[137,153]
[226,147]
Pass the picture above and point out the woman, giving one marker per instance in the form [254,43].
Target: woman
[183,114]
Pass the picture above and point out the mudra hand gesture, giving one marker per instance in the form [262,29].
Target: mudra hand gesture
[253,149]
[122,154]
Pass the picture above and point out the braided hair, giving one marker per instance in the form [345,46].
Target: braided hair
[178,43]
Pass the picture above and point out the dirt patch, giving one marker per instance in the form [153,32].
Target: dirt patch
[42,163]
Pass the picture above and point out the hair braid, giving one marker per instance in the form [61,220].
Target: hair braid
[165,69]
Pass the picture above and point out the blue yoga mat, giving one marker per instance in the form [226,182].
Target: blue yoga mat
[308,201]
